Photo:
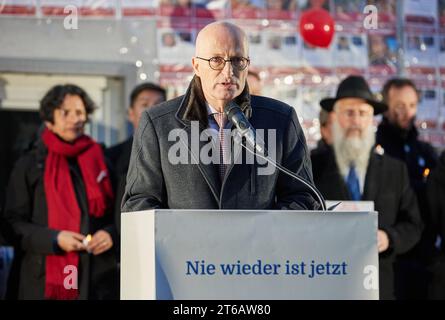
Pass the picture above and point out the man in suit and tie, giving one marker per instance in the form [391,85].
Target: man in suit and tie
[353,169]
[156,179]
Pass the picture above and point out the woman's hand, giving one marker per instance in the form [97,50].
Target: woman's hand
[70,241]
[100,242]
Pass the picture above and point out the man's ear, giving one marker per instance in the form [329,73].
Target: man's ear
[195,66]
[131,115]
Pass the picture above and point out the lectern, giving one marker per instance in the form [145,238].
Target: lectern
[243,254]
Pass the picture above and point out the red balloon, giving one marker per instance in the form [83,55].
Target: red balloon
[317,27]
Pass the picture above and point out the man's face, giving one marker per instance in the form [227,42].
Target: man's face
[69,119]
[354,116]
[353,133]
[326,129]
[144,100]
[378,45]
[402,106]
[220,86]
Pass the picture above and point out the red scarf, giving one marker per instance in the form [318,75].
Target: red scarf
[63,210]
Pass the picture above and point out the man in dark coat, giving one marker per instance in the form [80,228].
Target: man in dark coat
[167,173]
[143,96]
[398,136]
[353,170]
[436,203]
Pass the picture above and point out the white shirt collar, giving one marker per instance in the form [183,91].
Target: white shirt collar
[210,109]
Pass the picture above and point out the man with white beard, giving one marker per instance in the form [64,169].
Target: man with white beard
[352,169]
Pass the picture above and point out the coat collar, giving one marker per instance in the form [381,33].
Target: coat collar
[193,104]
[391,132]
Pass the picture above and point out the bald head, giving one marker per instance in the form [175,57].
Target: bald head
[216,32]
[225,46]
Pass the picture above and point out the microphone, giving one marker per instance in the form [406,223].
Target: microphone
[245,129]
[243,126]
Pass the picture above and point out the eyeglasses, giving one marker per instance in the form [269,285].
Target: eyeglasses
[218,63]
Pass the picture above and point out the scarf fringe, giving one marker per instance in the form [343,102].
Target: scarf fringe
[57,292]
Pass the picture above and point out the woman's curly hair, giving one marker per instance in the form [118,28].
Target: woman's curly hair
[53,100]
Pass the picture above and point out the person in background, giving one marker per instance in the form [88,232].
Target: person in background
[326,119]
[254,83]
[353,169]
[58,205]
[398,136]
[379,52]
[143,96]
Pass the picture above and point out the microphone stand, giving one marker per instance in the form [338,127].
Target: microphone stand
[314,190]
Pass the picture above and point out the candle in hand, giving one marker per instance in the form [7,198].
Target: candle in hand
[86,240]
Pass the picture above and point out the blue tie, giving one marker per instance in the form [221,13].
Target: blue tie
[353,184]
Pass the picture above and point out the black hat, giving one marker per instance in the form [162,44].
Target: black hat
[354,87]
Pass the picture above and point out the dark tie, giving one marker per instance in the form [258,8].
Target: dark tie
[221,120]
[353,184]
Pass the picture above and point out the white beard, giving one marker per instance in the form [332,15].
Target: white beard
[355,150]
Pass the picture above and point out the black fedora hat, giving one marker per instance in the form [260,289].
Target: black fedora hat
[354,87]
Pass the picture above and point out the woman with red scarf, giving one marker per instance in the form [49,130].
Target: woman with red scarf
[59,193]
